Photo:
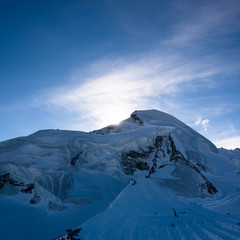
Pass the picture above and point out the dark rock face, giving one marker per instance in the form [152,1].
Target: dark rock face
[75,158]
[36,199]
[237,149]
[136,119]
[70,235]
[107,130]
[28,188]
[132,161]
[162,154]
[5,178]
[210,188]
[19,186]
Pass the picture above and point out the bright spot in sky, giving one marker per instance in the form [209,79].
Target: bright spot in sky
[113,115]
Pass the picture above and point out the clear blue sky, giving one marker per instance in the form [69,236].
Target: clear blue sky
[81,64]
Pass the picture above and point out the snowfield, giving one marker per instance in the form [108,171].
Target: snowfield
[150,177]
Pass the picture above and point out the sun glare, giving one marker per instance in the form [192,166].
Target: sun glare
[112,116]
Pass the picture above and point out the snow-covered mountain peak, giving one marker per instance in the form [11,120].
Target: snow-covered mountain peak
[142,118]
[64,170]
[160,123]
[155,116]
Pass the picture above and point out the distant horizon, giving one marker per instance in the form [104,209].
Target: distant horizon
[84,65]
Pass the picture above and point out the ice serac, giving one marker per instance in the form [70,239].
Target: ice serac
[135,173]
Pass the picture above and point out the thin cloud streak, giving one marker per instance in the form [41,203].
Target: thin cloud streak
[228,136]
[133,85]
[229,143]
[109,91]
[205,21]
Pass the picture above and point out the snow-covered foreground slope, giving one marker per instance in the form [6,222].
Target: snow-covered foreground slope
[150,177]
[146,211]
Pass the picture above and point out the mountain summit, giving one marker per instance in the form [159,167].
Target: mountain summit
[150,177]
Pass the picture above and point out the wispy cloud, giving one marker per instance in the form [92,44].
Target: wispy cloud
[229,143]
[123,87]
[203,123]
[107,91]
[205,20]
[224,134]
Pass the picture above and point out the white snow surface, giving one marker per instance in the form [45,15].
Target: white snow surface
[120,182]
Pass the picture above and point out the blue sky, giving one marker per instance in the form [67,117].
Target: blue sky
[82,65]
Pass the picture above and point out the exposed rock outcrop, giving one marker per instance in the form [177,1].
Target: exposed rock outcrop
[165,154]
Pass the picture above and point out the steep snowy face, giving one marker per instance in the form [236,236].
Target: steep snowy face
[61,170]
[48,164]
[163,142]
[156,119]
[41,169]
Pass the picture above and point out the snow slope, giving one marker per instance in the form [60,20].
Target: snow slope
[145,211]
[120,182]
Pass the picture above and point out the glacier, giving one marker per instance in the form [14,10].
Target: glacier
[150,177]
